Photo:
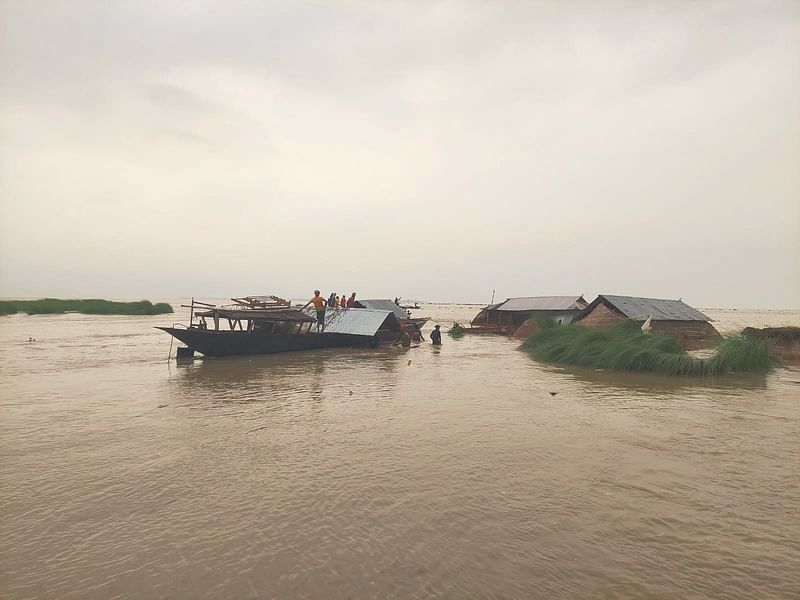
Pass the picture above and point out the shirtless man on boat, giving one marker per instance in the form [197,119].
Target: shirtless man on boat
[319,305]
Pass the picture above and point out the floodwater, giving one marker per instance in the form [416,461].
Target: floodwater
[396,473]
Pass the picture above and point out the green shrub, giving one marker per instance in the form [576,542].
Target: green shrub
[162,308]
[457,330]
[53,306]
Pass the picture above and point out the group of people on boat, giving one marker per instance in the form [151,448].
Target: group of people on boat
[343,302]
[333,301]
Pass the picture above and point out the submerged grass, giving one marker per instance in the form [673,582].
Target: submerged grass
[54,306]
[625,348]
[457,330]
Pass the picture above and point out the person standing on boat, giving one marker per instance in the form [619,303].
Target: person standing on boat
[436,336]
[319,305]
[332,299]
[343,302]
[351,301]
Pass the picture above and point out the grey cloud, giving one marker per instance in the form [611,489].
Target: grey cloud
[435,149]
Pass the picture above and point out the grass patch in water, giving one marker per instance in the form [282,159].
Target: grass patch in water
[54,306]
[457,330]
[624,347]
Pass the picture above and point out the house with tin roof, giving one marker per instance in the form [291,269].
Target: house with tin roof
[673,317]
[507,316]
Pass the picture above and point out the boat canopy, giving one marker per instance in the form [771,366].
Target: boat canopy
[253,314]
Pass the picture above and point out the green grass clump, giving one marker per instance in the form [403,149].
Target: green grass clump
[625,348]
[457,330]
[54,306]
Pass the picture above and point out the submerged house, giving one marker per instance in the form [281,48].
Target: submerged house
[383,304]
[507,316]
[403,315]
[674,317]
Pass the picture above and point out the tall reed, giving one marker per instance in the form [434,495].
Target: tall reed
[624,347]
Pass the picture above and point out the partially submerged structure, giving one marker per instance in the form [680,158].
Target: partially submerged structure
[507,316]
[269,324]
[783,342]
[402,313]
[383,304]
[673,317]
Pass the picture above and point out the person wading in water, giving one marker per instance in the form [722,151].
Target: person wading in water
[319,305]
[436,336]
[405,339]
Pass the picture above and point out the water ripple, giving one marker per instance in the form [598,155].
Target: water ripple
[356,475]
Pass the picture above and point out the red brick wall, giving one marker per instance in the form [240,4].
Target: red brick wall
[691,334]
[601,316]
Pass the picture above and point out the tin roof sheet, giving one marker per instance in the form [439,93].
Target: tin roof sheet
[661,309]
[354,321]
[384,304]
[543,303]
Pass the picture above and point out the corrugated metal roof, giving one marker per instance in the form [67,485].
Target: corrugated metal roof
[543,303]
[384,304]
[355,321]
[661,309]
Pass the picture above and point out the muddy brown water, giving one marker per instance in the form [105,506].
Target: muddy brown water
[397,473]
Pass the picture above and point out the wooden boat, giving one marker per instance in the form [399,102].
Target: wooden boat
[269,324]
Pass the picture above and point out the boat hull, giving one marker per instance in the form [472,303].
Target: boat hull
[235,343]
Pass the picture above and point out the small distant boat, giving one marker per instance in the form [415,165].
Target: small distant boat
[269,324]
[415,306]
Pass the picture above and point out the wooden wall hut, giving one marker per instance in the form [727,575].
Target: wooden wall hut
[507,316]
[674,317]
[783,342]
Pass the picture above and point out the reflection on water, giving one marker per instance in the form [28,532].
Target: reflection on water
[244,379]
[649,382]
[462,471]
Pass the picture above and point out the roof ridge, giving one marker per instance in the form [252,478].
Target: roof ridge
[640,297]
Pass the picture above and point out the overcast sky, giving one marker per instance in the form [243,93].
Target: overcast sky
[432,150]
